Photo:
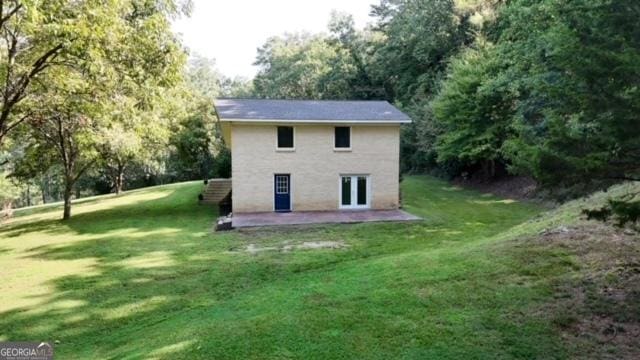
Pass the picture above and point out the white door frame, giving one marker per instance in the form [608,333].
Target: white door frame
[354,192]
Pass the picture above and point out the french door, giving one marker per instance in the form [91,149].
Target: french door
[355,192]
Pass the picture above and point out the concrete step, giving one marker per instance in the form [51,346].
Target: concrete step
[218,190]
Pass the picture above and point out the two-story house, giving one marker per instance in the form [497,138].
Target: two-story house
[298,155]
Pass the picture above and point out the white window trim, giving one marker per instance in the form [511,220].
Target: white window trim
[291,149]
[354,192]
[337,149]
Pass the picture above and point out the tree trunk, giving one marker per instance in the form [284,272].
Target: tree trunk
[493,168]
[43,188]
[119,180]
[28,195]
[485,170]
[118,184]
[68,191]
[7,210]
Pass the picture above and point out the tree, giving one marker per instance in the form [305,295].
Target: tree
[138,136]
[26,164]
[357,47]
[8,193]
[305,66]
[196,144]
[77,104]
[203,77]
[415,40]
[237,87]
[420,36]
[474,111]
[205,81]
[68,126]
[299,66]
[575,68]
[118,149]
[28,50]
[290,66]
[39,36]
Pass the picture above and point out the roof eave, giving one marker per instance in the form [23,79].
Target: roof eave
[336,121]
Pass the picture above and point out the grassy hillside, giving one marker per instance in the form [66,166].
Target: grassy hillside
[142,276]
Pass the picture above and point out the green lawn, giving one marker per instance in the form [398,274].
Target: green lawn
[143,276]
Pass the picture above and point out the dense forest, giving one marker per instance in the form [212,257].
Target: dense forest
[547,89]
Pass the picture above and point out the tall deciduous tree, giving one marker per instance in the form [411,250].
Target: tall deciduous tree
[474,111]
[27,49]
[68,125]
[118,149]
[126,36]
[293,67]
[8,193]
[418,39]
[196,143]
[130,57]
[237,87]
[203,78]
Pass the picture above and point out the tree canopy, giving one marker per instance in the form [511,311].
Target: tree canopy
[92,89]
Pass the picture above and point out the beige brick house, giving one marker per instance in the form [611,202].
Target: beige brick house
[295,155]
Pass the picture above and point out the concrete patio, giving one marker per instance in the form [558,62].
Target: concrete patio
[319,217]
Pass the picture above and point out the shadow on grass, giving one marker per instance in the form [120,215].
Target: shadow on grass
[45,226]
[166,300]
[152,258]
[161,285]
[171,203]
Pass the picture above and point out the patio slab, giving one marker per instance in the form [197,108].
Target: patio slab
[319,217]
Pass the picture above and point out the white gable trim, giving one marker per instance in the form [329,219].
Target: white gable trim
[355,122]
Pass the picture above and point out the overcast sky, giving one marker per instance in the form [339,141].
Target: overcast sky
[231,30]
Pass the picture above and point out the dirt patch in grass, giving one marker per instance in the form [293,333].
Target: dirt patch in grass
[309,232]
[597,308]
[287,239]
[286,246]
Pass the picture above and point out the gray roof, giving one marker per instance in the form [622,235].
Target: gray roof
[309,111]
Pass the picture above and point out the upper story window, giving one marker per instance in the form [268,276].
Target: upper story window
[342,137]
[285,137]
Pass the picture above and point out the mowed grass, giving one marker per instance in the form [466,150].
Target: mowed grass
[142,275]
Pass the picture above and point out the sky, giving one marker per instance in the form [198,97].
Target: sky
[231,30]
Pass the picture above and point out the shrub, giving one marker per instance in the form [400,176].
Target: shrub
[623,211]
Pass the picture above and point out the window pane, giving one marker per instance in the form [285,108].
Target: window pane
[343,138]
[282,184]
[285,137]
[362,190]
[346,190]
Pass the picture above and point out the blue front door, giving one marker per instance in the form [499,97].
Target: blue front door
[282,192]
